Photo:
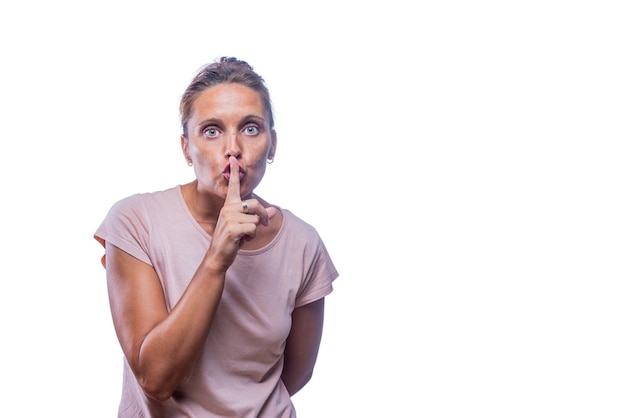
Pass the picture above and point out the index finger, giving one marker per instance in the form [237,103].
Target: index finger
[233,194]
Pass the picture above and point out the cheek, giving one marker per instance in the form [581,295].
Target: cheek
[201,157]
[258,166]
[257,157]
[261,157]
[258,162]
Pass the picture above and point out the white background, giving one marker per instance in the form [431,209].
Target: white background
[463,162]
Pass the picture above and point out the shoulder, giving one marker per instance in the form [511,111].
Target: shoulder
[141,201]
[141,209]
[293,223]
[300,234]
[131,220]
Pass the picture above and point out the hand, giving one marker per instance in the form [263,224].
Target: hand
[236,221]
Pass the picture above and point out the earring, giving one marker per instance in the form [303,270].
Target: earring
[189,162]
[270,160]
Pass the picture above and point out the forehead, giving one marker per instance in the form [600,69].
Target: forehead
[227,99]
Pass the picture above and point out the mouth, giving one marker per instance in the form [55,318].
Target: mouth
[226,173]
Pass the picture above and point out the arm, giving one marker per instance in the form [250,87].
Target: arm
[160,347]
[303,345]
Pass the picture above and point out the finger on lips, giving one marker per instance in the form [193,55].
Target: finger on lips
[234,193]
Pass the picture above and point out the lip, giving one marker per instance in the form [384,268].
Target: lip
[226,172]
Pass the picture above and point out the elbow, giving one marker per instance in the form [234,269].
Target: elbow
[305,379]
[155,390]
[156,381]
[158,396]
[295,384]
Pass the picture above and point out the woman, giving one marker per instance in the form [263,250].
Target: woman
[217,297]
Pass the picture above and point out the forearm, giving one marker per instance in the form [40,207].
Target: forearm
[302,345]
[170,349]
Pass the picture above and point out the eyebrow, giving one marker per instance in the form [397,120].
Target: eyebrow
[218,121]
[255,117]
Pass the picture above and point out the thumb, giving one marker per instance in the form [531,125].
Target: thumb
[271,212]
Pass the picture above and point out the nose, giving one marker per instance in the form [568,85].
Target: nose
[232,146]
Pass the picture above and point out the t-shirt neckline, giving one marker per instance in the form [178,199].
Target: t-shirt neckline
[207,236]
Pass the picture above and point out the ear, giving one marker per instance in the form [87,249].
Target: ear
[272,151]
[183,145]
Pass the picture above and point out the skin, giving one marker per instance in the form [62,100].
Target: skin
[228,129]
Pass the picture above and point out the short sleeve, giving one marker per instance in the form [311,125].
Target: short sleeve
[127,227]
[319,277]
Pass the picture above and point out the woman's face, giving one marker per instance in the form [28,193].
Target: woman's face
[228,119]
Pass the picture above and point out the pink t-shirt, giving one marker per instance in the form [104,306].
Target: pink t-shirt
[238,371]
